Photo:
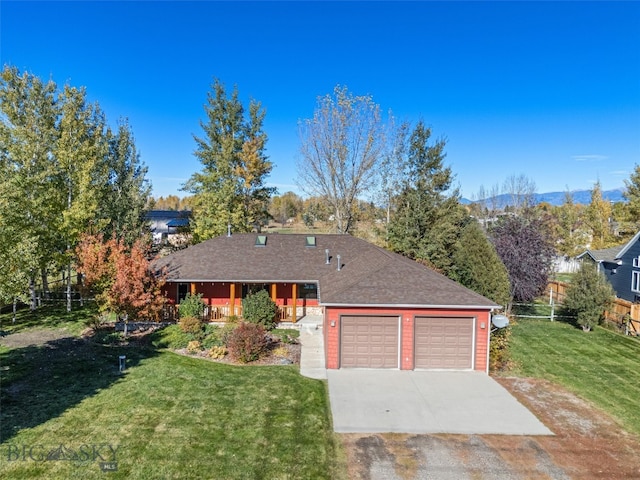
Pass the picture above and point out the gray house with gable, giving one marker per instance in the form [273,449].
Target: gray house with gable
[621,266]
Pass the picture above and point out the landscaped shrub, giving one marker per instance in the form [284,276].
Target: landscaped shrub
[194,346]
[499,351]
[226,331]
[191,325]
[217,352]
[247,342]
[212,337]
[98,321]
[260,309]
[280,352]
[192,306]
[172,337]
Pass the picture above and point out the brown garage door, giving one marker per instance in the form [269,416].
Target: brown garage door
[443,342]
[369,342]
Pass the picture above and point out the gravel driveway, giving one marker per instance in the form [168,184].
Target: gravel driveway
[587,445]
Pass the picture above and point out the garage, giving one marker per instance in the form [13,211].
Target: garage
[443,343]
[369,341]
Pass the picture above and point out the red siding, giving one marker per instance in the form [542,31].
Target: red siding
[332,329]
[219,293]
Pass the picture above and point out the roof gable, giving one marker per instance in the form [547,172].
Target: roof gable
[611,254]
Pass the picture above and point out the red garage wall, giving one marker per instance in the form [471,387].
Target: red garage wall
[332,332]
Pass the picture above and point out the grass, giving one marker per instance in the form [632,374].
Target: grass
[50,316]
[166,416]
[600,366]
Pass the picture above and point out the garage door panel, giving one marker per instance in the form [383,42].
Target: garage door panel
[369,342]
[443,342]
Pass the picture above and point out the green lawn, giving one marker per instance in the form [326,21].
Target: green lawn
[55,316]
[167,416]
[600,366]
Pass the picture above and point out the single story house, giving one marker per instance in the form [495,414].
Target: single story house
[621,266]
[378,309]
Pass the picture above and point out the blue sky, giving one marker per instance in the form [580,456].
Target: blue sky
[550,90]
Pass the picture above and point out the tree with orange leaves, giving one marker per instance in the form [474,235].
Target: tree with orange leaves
[120,277]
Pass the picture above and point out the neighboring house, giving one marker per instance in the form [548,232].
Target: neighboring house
[165,223]
[621,266]
[378,309]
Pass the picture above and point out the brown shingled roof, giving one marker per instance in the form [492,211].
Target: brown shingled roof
[369,275]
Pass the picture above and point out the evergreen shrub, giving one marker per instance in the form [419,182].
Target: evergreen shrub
[192,306]
[260,309]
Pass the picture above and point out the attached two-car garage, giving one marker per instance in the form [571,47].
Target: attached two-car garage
[438,342]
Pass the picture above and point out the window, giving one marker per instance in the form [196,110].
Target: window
[183,289]
[308,291]
[310,241]
[251,288]
[635,281]
[636,262]
[261,240]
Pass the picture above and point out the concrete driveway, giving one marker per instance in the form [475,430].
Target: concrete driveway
[379,401]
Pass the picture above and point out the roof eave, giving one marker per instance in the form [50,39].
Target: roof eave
[245,280]
[410,305]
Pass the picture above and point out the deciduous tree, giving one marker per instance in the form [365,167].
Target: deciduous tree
[283,207]
[571,235]
[62,172]
[28,134]
[126,195]
[632,193]
[120,277]
[524,246]
[598,218]
[341,149]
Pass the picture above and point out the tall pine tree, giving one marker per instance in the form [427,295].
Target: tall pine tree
[428,218]
[230,189]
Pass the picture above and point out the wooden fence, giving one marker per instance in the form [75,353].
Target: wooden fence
[624,314]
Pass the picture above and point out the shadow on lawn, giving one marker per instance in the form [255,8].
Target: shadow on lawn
[41,382]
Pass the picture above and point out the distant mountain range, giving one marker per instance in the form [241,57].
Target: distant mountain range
[557,198]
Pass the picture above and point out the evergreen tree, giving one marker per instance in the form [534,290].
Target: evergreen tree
[588,296]
[428,218]
[478,266]
[230,188]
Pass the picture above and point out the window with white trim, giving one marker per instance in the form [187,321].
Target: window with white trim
[635,281]
[636,262]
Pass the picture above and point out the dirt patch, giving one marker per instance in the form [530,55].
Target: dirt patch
[33,338]
[588,444]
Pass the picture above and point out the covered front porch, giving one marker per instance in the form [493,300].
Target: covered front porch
[224,299]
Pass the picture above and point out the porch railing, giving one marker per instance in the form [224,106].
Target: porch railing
[215,313]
